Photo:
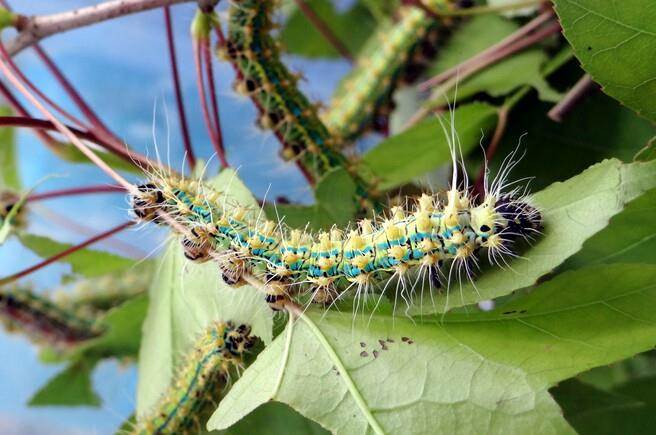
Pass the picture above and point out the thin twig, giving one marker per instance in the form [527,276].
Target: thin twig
[581,89]
[186,139]
[42,124]
[209,72]
[325,30]
[33,29]
[15,80]
[66,253]
[74,191]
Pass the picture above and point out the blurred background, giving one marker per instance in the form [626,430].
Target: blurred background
[122,69]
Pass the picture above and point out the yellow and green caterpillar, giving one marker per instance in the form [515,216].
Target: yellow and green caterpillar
[398,51]
[440,234]
[189,400]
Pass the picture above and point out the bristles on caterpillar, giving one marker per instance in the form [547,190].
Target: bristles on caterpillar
[43,320]
[189,400]
[440,235]
[397,52]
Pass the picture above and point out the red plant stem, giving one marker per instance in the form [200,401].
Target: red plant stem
[488,52]
[43,96]
[42,124]
[575,95]
[222,42]
[186,139]
[49,141]
[200,81]
[74,191]
[325,30]
[209,72]
[66,253]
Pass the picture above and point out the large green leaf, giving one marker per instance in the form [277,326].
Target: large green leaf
[629,238]
[627,409]
[481,372]
[598,128]
[615,43]
[335,204]
[572,212]
[478,34]
[71,387]
[274,418]
[87,262]
[185,297]
[9,176]
[353,27]
[423,147]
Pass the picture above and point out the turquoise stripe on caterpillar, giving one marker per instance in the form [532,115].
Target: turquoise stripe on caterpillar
[438,229]
[193,393]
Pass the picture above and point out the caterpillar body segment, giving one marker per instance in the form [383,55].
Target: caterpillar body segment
[43,320]
[199,383]
[284,109]
[441,233]
[398,51]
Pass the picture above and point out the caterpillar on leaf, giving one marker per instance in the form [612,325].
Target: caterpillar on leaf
[397,52]
[440,236]
[199,383]
[43,320]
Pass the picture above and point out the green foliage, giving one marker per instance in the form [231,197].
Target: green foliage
[449,370]
[300,37]
[615,44]
[87,262]
[334,204]
[71,387]
[424,147]
[9,176]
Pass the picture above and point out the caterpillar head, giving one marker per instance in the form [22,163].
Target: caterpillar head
[146,204]
[238,339]
[522,219]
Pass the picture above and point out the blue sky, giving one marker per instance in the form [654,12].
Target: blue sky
[121,67]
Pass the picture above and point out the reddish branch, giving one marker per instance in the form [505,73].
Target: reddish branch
[33,29]
[42,124]
[182,117]
[74,191]
[575,95]
[65,253]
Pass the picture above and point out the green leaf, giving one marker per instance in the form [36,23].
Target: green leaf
[185,297]
[572,212]
[275,418]
[615,44]
[648,152]
[597,129]
[335,204]
[353,27]
[629,238]
[87,262]
[123,332]
[627,409]
[71,387]
[478,34]
[479,372]
[9,176]
[414,152]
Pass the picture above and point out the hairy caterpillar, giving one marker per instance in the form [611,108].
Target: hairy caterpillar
[438,236]
[283,108]
[398,51]
[188,401]
[94,296]
[43,320]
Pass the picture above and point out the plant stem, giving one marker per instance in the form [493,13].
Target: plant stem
[74,191]
[186,139]
[42,124]
[325,30]
[581,89]
[65,253]
[481,10]
[33,29]
[209,72]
